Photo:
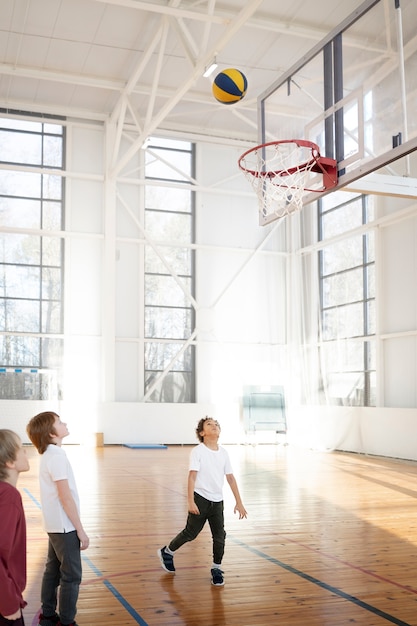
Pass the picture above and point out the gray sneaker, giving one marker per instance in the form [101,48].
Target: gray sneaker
[167,560]
[217,577]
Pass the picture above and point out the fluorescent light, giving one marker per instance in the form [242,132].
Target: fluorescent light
[210,69]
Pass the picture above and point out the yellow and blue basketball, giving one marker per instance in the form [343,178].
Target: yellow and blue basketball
[229,86]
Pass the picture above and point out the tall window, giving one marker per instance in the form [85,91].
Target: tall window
[169,272]
[347,297]
[31,260]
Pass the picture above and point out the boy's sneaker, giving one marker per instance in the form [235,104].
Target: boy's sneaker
[72,624]
[217,577]
[53,620]
[167,560]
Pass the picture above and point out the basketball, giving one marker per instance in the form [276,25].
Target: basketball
[229,86]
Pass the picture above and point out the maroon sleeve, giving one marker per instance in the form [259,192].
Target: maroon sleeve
[12,551]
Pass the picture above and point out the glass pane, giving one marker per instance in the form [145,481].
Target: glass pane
[179,259]
[370,277]
[23,184]
[16,280]
[51,283]
[52,215]
[170,143]
[18,351]
[346,389]
[342,219]
[34,127]
[175,387]
[165,199]
[165,291]
[371,313]
[168,164]
[52,151]
[52,353]
[343,288]
[342,255]
[168,226]
[345,356]
[53,129]
[19,249]
[52,187]
[19,148]
[51,251]
[370,247]
[51,317]
[168,323]
[371,355]
[370,208]
[372,389]
[159,355]
[20,316]
[20,213]
[343,321]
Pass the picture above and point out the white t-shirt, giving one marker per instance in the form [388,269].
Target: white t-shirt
[211,467]
[55,466]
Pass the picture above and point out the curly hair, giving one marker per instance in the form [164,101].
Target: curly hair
[40,428]
[9,447]
[200,426]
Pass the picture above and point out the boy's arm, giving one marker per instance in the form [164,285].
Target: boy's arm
[239,504]
[192,507]
[70,508]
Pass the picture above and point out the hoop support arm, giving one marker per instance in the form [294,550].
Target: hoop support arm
[327,167]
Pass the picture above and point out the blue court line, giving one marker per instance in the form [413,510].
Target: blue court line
[320,583]
[32,497]
[116,594]
[106,583]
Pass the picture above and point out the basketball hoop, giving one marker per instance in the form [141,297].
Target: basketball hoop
[283,172]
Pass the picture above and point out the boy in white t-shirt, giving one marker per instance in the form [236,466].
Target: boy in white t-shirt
[209,464]
[61,518]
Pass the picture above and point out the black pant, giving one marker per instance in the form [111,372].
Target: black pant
[211,512]
[62,570]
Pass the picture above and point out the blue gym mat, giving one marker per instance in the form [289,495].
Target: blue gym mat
[153,446]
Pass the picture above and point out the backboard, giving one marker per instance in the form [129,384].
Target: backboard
[354,94]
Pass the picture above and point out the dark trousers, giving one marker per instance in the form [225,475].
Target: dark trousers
[11,622]
[63,570]
[211,512]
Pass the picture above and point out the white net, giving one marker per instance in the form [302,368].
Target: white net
[280,174]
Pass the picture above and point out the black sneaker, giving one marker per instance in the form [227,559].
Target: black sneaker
[53,620]
[217,577]
[167,560]
[72,624]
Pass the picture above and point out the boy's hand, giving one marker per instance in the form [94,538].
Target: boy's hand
[241,510]
[84,540]
[193,509]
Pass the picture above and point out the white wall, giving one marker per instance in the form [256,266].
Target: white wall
[376,431]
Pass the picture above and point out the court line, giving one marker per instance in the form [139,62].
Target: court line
[347,563]
[320,583]
[132,612]
[129,608]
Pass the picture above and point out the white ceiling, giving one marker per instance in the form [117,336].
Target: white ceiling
[88,58]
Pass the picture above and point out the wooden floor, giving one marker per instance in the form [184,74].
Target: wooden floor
[331,539]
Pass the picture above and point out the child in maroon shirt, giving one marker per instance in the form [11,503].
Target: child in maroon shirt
[13,460]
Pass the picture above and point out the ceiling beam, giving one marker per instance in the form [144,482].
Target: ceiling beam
[167,10]
[223,40]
